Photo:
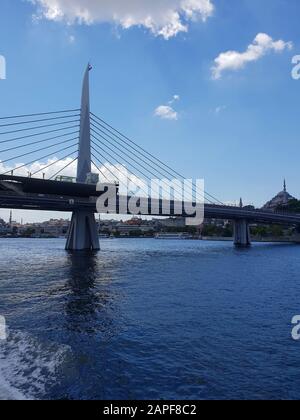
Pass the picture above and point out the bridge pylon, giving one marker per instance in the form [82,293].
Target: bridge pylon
[242,237]
[83,234]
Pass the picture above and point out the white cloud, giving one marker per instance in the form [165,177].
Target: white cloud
[164,18]
[38,166]
[220,109]
[71,39]
[174,99]
[166,112]
[234,60]
[107,172]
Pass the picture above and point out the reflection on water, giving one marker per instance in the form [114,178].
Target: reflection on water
[90,305]
[82,301]
[149,319]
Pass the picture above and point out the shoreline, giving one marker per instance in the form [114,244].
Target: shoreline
[205,239]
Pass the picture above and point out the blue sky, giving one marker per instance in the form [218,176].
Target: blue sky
[239,132]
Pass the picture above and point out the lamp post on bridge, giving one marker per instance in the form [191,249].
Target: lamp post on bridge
[83,232]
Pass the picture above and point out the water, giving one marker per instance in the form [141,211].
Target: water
[149,319]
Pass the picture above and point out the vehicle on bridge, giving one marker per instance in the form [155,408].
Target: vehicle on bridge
[62,178]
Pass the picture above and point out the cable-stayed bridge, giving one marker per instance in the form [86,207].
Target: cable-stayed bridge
[54,145]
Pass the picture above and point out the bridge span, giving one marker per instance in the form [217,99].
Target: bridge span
[94,144]
[41,194]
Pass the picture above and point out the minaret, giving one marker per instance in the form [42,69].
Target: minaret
[284,186]
[10,219]
[241,203]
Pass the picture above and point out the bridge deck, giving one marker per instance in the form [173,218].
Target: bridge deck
[38,194]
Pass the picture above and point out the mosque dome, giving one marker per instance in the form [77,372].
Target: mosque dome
[281,199]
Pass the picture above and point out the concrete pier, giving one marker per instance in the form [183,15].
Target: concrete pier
[83,233]
[242,237]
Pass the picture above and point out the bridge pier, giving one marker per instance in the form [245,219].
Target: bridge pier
[242,237]
[83,234]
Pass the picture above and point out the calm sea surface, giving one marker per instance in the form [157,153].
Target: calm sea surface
[149,319]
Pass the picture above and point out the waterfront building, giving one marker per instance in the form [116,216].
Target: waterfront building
[171,222]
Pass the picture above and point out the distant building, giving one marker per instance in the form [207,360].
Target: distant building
[135,221]
[126,229]
[281,199]
[106,226]
[53,227]
[4,227]
[216,222]
[171,222]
